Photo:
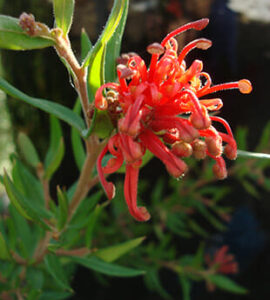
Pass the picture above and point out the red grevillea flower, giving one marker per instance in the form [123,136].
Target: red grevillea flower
[159,109]
[222,262]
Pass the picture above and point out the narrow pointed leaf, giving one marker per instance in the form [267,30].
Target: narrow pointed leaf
[53,295]
[13,37]
[227,284]
[112,253]
[103,267]
[63,208]
[86,44]
[28,150]
[97,58]
[54,164]
[63,13]
[55,109]
[56,270]
[24,205]
[76,141]
[4,253]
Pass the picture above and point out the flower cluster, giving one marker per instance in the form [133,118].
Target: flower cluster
[222,262]
[159,109]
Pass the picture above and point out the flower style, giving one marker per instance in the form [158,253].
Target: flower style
[159,109]
[222,262]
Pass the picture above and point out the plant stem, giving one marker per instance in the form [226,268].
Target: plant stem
[85,181]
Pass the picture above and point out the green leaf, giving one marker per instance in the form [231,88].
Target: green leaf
[63,13]
[82,215]
[63,208]
[113,47]
[28,150]
[13,37]
[53,295]
[56,150]
[93,218]
[264,139]
[24,206]
[35,278]
[197,228]
[4,253]
[55,109]
[198,258]
[250,188]
[112,253]
[86,44]
[96,60]
[27,183]
[26,237]
[186,287]
[54,267]
[76,141]
[103,267]
[226,283]
[153,282]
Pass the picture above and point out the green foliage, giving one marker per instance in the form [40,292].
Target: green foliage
[76,141]
[55,269]
[104,52]
[13,37]
[112,253]
[103,267]
[56,149]
[63,13]
[28,150]
[226,284]
[57,110]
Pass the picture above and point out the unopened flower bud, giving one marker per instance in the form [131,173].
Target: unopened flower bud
[27,23]
[220,171]
[125,71]
[181,149]
[177,169]
[200,121]
[199,149]
[155,48]
[230,152]
[214,145]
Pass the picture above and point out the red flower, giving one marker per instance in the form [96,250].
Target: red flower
[222,261]
[159,109]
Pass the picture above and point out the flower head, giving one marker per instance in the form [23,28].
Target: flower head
[160,109]
[222,262]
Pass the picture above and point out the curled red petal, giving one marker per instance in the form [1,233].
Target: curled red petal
[108,186]
[130,192]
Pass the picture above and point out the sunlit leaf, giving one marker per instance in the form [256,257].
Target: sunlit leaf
[96,60]
[112,253]
[86,44]
[13,37]
[63,13]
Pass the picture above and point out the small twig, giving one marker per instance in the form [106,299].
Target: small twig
[41,249]
[74,252]
[45,183]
